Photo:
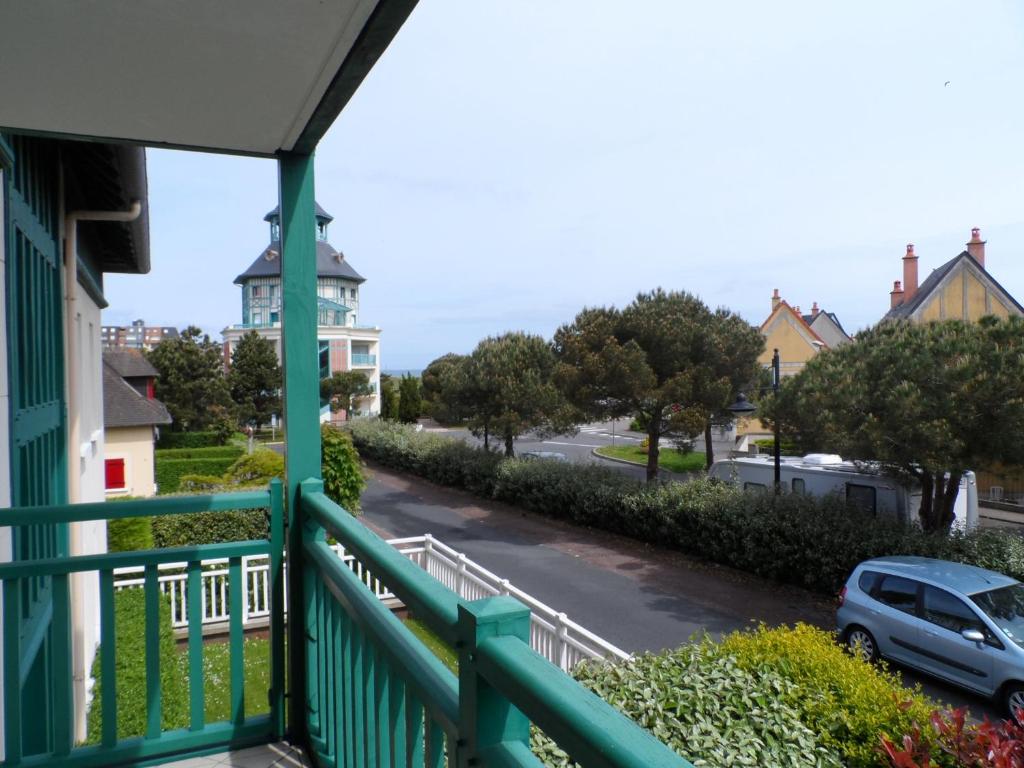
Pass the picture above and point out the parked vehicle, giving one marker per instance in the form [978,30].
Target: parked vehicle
[543,456]
[957,622]
[820,474]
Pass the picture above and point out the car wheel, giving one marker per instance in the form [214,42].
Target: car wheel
[862,644]
[1013,700]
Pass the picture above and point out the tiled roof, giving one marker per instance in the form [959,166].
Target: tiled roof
[129,363]
[124,407]
[329,263]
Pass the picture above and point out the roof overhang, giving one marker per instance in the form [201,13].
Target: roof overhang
[250,77]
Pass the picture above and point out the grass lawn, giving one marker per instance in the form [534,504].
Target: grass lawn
[434,644]
[668,458]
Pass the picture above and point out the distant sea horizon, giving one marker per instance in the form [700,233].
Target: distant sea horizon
[398,372]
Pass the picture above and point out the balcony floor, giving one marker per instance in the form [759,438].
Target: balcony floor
[280,755]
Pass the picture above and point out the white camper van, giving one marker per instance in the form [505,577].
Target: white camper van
[820,474]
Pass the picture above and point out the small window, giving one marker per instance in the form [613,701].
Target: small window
[748,486]
[899,593]
[799,486]
[949,611]
[861,496]
[351,293]
[114,474]
[255,291]
[868,581]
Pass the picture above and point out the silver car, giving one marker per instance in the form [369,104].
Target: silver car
[957,622]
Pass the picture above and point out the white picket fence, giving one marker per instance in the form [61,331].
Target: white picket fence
[552,634]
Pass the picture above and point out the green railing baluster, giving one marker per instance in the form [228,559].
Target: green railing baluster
[348,690]
[63,693]
[338,693]
[108,659]
[413,730]
[358,695]
[369,711]
[396,698]
[196,688]
[154,703]
[328,716]
[381,690]
[12,671]
[237,640]
[435,744]
[276,577]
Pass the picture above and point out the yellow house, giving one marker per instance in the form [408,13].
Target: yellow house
[960,289]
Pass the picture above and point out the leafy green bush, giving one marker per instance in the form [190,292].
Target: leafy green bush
[213,452]
[340,468]
[189,439]
[130,671]
[705,706]
[811,541]
[202,484]
[170,471]
[129,534]
[847,702]
[256,468]
[210,527]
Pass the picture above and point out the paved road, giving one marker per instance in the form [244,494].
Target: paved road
[636,596]
[580,447]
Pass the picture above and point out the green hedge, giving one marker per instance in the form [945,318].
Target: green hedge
[189,439]
[130,664]
[212,452]
[170,471]
[772,697]
[129,534]
[805,540]
[210,527]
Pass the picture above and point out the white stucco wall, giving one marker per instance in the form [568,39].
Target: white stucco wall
[135,446]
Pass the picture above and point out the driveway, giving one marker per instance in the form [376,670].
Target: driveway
[634,595]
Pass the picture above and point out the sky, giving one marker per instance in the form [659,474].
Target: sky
[509,162]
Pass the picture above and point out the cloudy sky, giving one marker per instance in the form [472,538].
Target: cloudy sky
[508,162]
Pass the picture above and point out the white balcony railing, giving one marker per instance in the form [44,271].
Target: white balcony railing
[552,634]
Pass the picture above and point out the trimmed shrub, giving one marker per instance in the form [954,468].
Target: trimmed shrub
[170,471]
[129,534]
[800,539]
[201,484]
[340,468]
[256,468]
[130,671]
[848,703]
[705,706]
[210,527]
[213,452]
[189,439]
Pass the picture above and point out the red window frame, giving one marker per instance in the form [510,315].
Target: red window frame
[114,474]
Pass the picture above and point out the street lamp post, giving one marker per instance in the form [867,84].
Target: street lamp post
[743,407]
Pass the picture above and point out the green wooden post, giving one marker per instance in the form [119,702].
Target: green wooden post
[486,717]
[301,397]
[277,608]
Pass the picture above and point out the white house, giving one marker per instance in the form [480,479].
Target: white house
[343,343]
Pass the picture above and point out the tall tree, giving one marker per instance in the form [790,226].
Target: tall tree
[388,397]
[509,389]
[442,391]
[410,404]
[192,383]
[343,388]
[927,402]
[655,359]
[732,354]
[255,380]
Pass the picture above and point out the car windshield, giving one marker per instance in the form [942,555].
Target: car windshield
[1005,606]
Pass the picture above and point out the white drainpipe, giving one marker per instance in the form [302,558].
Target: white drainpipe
[74,444]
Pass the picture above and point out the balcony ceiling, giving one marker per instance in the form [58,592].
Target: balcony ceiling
[252,77]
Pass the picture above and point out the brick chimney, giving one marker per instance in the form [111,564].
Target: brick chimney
[976,247]
[814,310]
[776,299]
[909,274]
[896,295]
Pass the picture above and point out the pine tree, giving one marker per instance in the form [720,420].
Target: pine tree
[255,380]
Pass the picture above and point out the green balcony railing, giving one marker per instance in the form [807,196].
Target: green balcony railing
[53,726]
[376,696]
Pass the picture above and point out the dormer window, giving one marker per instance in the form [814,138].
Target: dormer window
[275,230]
[321,230]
